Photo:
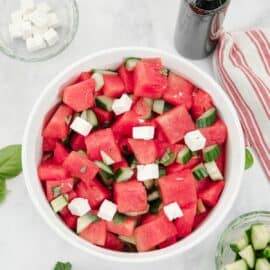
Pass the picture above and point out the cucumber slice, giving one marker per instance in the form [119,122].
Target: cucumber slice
[153,196]
[59,203]
[106,158]
[200,172]
[238,265]
[104,167]
[105,71]
[201,207]
[105,103]
[211,153]
[84,221]
[90,117]
[240,244]
[248,255]
[162,172]
[123,174]
[165,72]
[130,239]
[105,178]
[184,156]
[259,236]
[155,206]
[168,158]
[149,184]
[119,218]
[207,119]
[99,80]
[213,171]
[266,252]
[262,264]
[134,214]
[158,106]
[131,62]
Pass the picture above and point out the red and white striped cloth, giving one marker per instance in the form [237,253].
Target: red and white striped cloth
[242,64]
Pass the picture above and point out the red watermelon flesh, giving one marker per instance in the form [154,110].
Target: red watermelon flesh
[113,242]
[57,127]
[220,161]
[142,108]
[175,124]
[121,164]
[161,146]
[168,242]
[179,91]
[203,184]
[102,115]
[199,219]
[69,219]
[48,172]
[65,186]
[80,96]
[113,86]
[127,78]
[77,142]
[48,144]
[84,76]
[60,153]
[81,167]
[125,228]
[148,218]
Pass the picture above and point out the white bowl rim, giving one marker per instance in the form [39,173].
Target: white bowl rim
[182,246]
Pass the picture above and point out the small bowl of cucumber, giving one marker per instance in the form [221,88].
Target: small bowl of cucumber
[245,244]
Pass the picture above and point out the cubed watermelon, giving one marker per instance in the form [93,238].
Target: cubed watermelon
[199,219]
[77,142]
[161,146]
[48,144]
[113,242]
[86,75]
[175,124]
[59,187]
[102,140]
[57,127]
[121,164]
[125,228]
[49,171]
[103,116]
[168,242]
[80,166]
[69,219]
[80,96]
[145,151]
[142,108]
[127,78]
[60,153]
[220,161]
[113,86]
[179,91]
[130,196]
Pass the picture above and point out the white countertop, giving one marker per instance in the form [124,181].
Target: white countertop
[26,241]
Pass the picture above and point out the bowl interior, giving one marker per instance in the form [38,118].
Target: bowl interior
[111,59]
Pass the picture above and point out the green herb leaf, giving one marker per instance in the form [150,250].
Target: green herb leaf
[3,190]
[119,218]
[63,266]
[249,160]
[10,161]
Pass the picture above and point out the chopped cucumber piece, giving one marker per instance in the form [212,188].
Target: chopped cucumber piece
[105,71]
[153,196]
[266,252]
[259,236]
[200,172]
[184,156]
[123,174]
[167,107]
[149,101]
[158,106]
[149,184]
[207,119]
[213,170]
[90,117]
[134,214]
[131,63]
[211,153]
[130,239]
[155,206]
[84,221]
[164,71]
[248,255]
[162,172]
[104,103]
[59,203]
[106,178]
[240,244]
[119,218]
[106,158]
[262,264]
[201,207]
[99,80]
[238,265]
[104,167]
[168,158]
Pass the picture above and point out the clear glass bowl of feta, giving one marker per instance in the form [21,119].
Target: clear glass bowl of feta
[37,30]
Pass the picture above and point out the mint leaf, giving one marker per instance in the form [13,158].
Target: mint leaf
[63,266]
[10,161]
[249,160]
[3,190]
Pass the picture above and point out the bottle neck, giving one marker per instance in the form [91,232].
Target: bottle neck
[209,4]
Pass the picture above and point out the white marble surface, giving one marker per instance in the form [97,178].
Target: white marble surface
[26,242]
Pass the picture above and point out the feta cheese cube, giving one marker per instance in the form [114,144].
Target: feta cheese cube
[51,37]
[145,132]
[27,5]
[195,140]
[81,126]
[15,30]
[43,7]
[106,158]
[35,43]
[147,172]
[53,20]
[79,207]
[173,211]
[107,210]
[39,19]
[39,30]
[27,30]
[16,16]
[122,105]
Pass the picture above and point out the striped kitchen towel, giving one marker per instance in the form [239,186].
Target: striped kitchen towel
[242,64]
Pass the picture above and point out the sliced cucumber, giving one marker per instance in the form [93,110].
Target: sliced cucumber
[168,158]
[158,106]
[134,214]
[155,206]
[200,172]
[262,264]
[153,196]
[213,171]
[123,174]
[59,203]
[99,80]
[207,119]
[84,221]
[162,172]
[259,236]
[201,207]
[106,158]
[90,117]
[105,71]
[266,252]
[104,103]
[238,265]
[149,184]
[119,218]
[130,239]
[104,167]
[211,153]
[131,63]
[106,178]
[248,255]
[184,156]
[240,244]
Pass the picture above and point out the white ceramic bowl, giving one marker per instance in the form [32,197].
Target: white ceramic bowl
[110,59]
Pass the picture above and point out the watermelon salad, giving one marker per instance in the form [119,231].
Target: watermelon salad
[133,158]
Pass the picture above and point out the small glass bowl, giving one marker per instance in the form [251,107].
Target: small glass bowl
[67,12]
[224,255]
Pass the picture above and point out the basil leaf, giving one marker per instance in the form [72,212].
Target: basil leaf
[249,160]
[63,266]
[10,161]
[3,190]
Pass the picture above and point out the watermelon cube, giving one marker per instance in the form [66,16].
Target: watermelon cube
[127,78]
[175,124]
[130,197]
[148,80]
[199,219]
[103,116]
[102,140]
[48,171]
[145,151]
[59,187]
[60,153]
[48,144]
[57,126]
[168,242]
[80,96]
[153,233]
[77,142]
[113,86]
[86,75]
[142,108]
[69,219]
[113,242]
[179,91]
[80,166]
[125,228]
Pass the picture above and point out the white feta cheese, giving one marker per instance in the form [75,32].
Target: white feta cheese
[27,30]
[173,211]
[106,158]
[53,20]
[15,30]
[81,126]
[35,43]
[107,210]
[51,37]
[39,19]
[79,207]
[195,140]
[145,132]
[39,30]
[122,105]
[16,16]
[27,5]
[147,172]
[43,7]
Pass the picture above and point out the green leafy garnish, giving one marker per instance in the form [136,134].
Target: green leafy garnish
[249,159]
[119,218]
[3,190]
[63,266]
